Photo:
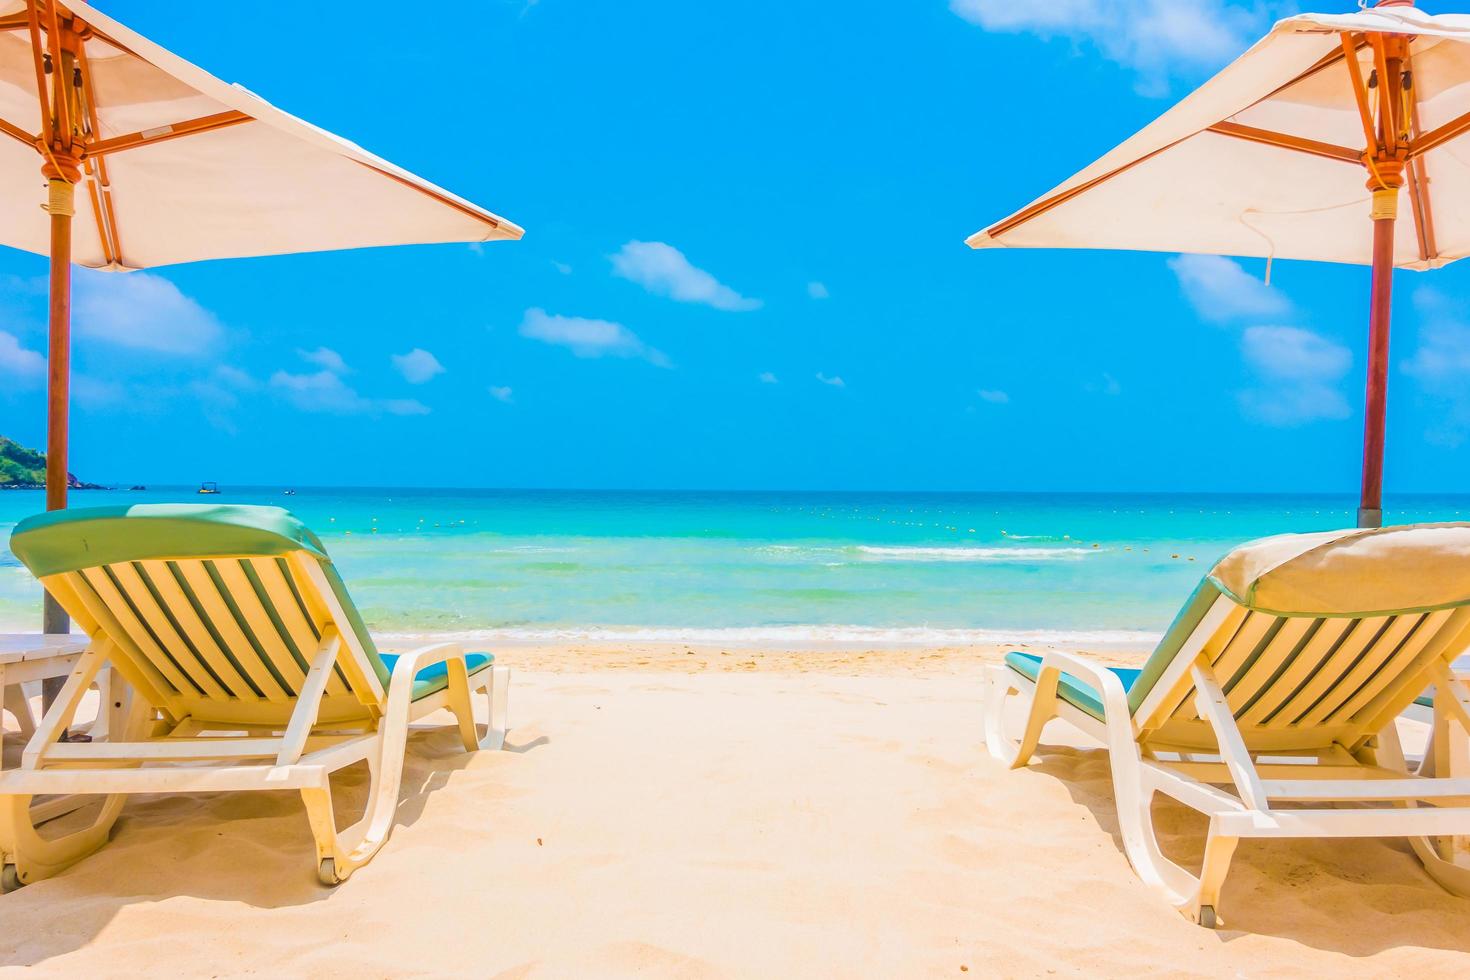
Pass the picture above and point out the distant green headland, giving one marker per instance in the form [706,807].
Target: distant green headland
[25,469]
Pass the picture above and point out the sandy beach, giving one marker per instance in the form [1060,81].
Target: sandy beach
[687,812]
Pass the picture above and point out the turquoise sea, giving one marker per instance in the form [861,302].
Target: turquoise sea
[762,567]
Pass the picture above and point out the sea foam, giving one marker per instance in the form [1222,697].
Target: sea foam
[973,554]
[794,636]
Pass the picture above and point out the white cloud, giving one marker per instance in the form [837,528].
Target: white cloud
[95,393]
[1300,370]
[219,393]
[327,392]
[767,378]
[223,386]
[588,338]
[502,394]
[1440,366]
[1155,38]
[417,366]
[817,290]
[1106,385]
[835,381]
[320,392]
[1220,290]
[561,267]
[325,357]
[994,396]
[142,311]
[663,270]
[19,365]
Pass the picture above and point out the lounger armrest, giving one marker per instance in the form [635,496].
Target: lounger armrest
[409,664]
[1107,684]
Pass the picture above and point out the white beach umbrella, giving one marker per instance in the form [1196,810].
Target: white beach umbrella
[1300,149]
[175,165]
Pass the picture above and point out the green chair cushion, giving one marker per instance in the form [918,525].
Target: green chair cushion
[1069,688]
[435,677]
[1179,631]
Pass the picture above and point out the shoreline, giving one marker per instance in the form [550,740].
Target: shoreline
[844,659]
[590,646]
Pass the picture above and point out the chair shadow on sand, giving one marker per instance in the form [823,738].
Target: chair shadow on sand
[254,848]
[1377,883]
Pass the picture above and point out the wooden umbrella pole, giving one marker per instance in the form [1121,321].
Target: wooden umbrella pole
[1385,160]
[1370,504]
[61,149]
[60,205]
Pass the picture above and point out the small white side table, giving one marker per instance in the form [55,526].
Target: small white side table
[33,657]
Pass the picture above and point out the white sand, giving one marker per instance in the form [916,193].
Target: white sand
[828,815]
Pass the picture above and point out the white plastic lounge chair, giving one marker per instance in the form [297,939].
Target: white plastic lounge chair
[249,669]
[1272,699]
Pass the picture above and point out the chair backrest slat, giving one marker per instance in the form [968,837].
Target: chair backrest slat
[1297,671]
[1369,660]
[99,619]
[135,635]
[356,665]
[163,578]
[257,623]
[1246,640]
[163,630]
[1350,646]
[1270,661]
[286,601]
[1368,684]
[213,608]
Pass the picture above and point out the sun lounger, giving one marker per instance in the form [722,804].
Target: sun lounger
[1270,704]
[249,669]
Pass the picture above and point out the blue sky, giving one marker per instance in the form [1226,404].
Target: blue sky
[744,268]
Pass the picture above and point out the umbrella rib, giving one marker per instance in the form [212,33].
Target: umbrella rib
[14,131]
[1388,123]
[1286,142]
[1438,137]
[1419,201]
[99,186]
[465,209]
[1360,91]
[147,137]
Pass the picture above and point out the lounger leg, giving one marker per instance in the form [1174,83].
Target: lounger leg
[25,856]
[461,705]
[17,705]
[340,853]
[1444,858]
[1134,796]
[999,687]
[497,694]
[1218,852]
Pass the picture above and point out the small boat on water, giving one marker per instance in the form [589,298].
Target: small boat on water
[209,487]
[288,493]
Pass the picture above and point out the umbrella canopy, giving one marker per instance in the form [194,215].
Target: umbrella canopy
[174,165]
[179,166]
[1300,149]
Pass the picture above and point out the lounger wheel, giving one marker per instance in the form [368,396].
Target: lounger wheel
[1207,916]
[10,880]
[326,872]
